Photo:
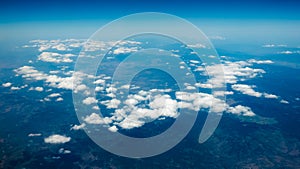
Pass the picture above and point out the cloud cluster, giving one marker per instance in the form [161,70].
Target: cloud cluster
[137,109]
[55,57]
[246,89]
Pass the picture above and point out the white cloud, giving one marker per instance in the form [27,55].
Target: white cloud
[260,61]
[241,110]
[284,101]
[113,129]
[246,89]
[273,45]
[34,134]
[15,88]
[287,52]
[78,127]
[231,72]
[59,99]
[57,139]
[8,84]
[198,45]
[270,96]
[123,50]
[39,89]
[54,95]
[63,151]
[110,104]
[55,57]
[96,119]
[89,100]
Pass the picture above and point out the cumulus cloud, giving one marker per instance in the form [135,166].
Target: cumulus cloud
[89,100]
[39,89]
[96,119]
[59,99]
[78,127]
[57,139]
[270,96]
[55,57]
[54,95]
[8,84]
[15,88]
[241,110]
[246,89]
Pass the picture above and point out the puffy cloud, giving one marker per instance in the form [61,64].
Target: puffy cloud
[124,50]
[110,104]
[59,99]
[231,72]
[8,84]
[55,57]
[270,96]
[113,129]
[241,110]
[15,88]
[39,89]
[89,100]
[78,127]
[96,119]
[246,89]
[57,139]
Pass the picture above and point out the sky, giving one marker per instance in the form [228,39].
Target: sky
[266,20]
[33,10]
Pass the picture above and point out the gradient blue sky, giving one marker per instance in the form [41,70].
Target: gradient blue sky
[38,10]
[258,21]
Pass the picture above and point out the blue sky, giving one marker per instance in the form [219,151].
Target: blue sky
[21,11]
[258,21]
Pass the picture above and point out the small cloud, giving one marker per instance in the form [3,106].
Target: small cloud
[260,61]
[246,89]
[273,45]
[15,88]
[57,139]
[39,89]
[96,119]
[59,99]
[89,100]
[113,129]
[241,110]
[8,84]
[54,95]
[78,127]
[270,96]
[284,101]
[34,134]
[63,151]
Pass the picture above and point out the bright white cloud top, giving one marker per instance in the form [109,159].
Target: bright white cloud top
[57,139]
